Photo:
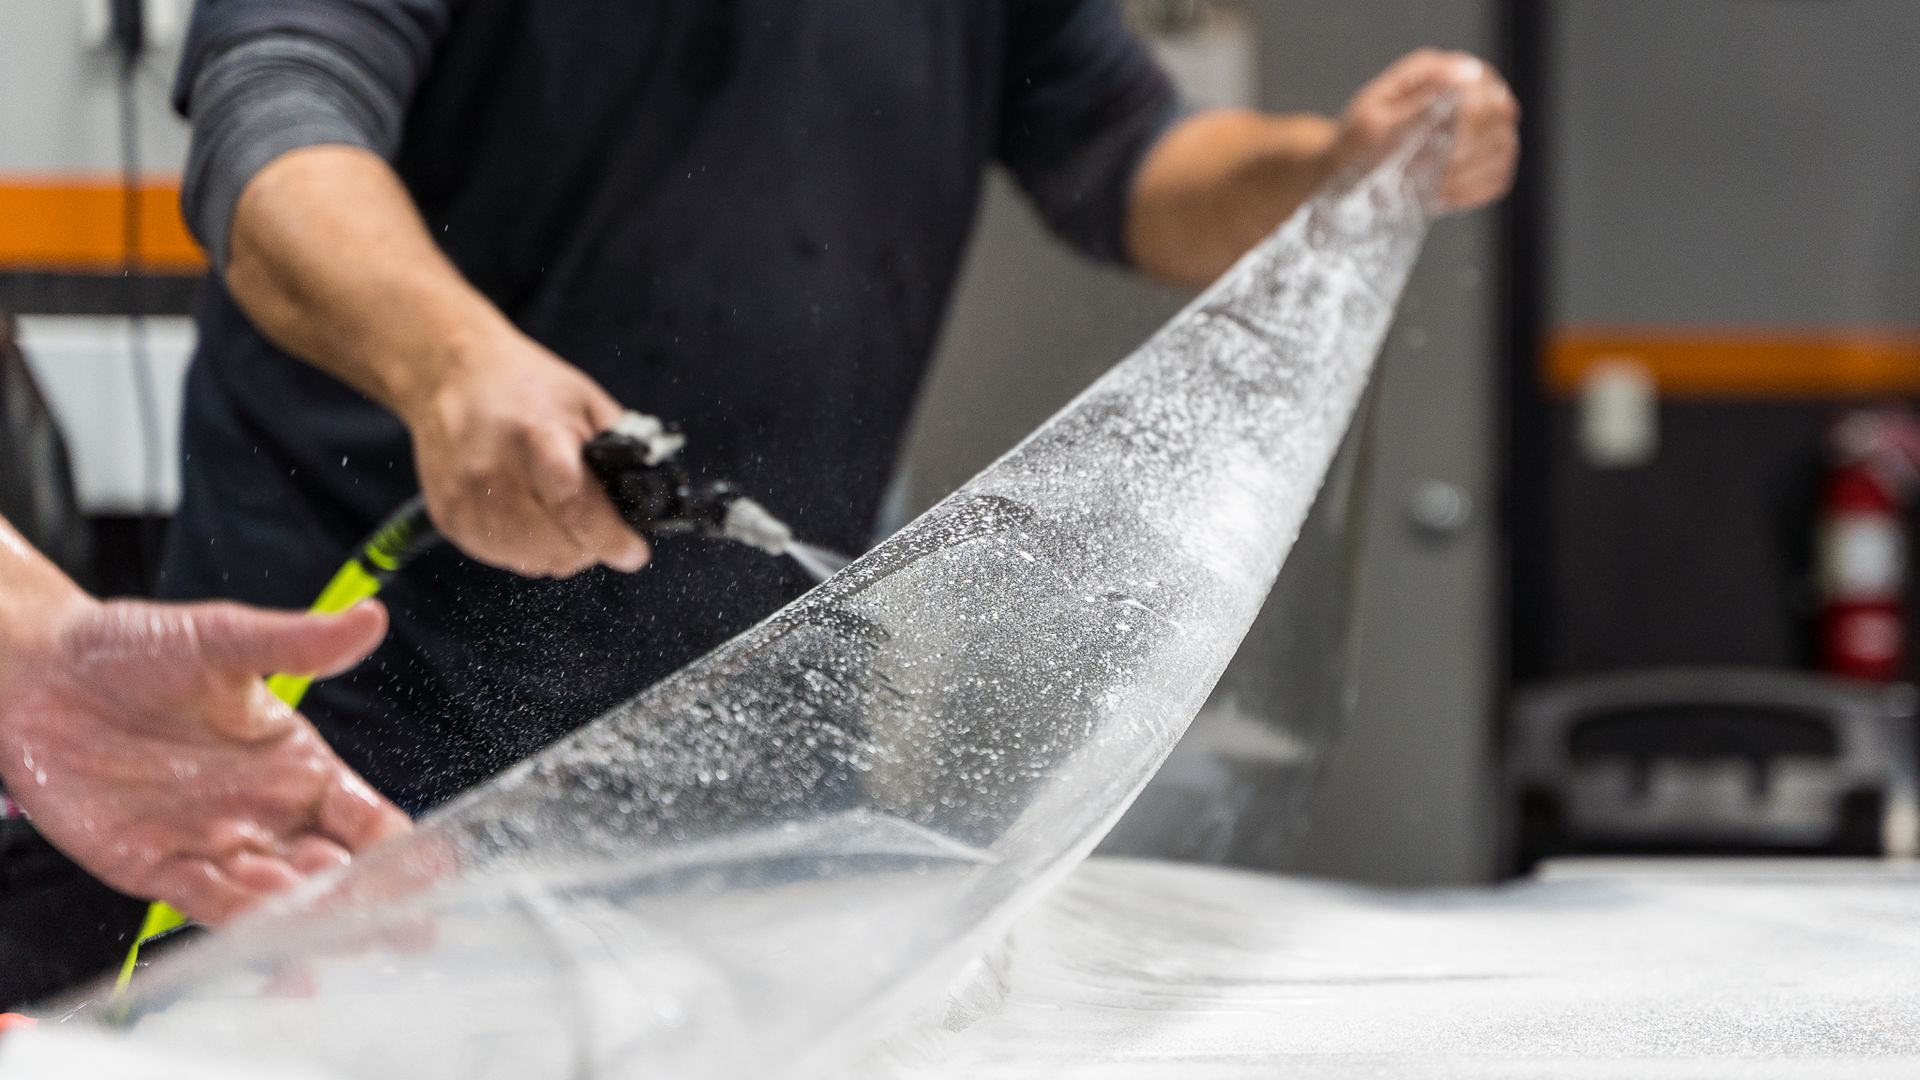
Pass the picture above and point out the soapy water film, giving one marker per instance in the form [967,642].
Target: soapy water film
[781,853]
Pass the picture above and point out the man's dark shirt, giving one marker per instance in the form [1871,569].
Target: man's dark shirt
[742,215]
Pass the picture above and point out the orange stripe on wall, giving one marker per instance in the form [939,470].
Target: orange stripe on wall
[1747,362]
[78,224]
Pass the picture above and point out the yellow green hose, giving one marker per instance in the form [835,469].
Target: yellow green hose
[405,535]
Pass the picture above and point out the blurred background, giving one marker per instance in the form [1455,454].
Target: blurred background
[1635,568]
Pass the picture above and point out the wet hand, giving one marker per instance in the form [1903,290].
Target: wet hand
[143,743]
[498,444]
[1486,148]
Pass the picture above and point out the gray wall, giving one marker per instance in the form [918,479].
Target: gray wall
[59,108]
[1409,799]
[1736,162]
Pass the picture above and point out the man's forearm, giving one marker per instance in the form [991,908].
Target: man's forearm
[1217,184]
[332,262]
[287,185]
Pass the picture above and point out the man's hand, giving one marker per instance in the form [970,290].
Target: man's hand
[498,444]
[1486,148]
[1222,181]
[142,742]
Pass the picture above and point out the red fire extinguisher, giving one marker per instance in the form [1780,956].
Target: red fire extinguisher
[1863,545]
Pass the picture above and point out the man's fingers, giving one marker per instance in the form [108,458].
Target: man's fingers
[355,816]
[1389,106]
[1489,113]
[201,890]
[253,643]
[1407,76]
[221,838]
[582,508]
[1411,86]
[602,410]
[1479,178]
[311,855]
[1416,78]
[260,873]
[1477,146]
[506,525]
[246,644]
[1483,170]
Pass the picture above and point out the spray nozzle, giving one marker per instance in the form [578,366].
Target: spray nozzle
[750,523]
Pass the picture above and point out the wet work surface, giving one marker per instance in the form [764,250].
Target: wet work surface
[1745,969]
[1155,970]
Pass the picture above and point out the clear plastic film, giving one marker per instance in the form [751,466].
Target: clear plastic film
[774,857]
[1239,787]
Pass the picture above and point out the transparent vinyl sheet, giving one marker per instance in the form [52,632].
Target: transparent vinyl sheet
[1238,788]
[775,857]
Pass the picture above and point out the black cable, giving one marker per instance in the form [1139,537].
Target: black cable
[130,40]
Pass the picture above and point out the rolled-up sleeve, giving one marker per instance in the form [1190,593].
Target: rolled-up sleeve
[261,78]
[1084,103]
